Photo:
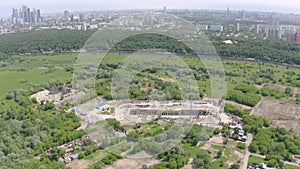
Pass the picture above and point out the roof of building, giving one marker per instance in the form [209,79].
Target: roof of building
[75,108]
[241,132]
[84,112]
[236,127]
[228,42]
[100,105]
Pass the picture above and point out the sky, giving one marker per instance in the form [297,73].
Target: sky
[48,6]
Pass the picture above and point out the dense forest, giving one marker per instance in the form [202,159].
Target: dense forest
[43,41]
[29,129]
[267,50]
[152,41]
[68,40]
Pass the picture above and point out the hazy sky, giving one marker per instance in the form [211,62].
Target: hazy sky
[46,6]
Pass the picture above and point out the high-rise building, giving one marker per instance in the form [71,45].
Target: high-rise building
[228,13]
[38,16]
[26,16]
[216,28]
[237,27]
[66,15]
[81,18]
[273,33]
[14,16]
[33,18]
[293,37]
[15,13]
[72,18]
[24,13]
[20,13]
[242,14]
[257,29]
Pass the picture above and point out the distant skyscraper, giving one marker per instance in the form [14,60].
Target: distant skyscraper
[24,13]
[257,29]
[20,13]
[228,13]
[165,9]
[15,13]
[28,15]
[81,18]
[14,16]
[66,15]
[237,27]
[273,33]
[38,15]
[32,17]
[72,18]
[242,14]
[293,37]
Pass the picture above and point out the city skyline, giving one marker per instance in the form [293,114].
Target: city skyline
[288,6]
[26,14]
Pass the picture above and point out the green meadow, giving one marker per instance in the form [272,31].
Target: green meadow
[22,71]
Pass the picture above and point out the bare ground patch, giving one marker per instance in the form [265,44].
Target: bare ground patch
[79,164]
[241,106]
[276,86]
[281,114]
[166,79]
[218,140]
[134,162]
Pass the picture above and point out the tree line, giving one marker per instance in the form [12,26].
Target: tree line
[43,41]
[29,129]
[266,50]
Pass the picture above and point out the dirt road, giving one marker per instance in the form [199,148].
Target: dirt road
[247,153]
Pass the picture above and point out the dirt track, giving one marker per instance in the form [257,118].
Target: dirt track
[247,153]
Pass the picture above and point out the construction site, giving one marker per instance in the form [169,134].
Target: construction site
[175,109]
[130,112]
[205,112]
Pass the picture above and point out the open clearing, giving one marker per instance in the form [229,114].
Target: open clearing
[11,80]
[281,114]
[21,72]
[132,162]
[79,164]
[230,152]
[86,162]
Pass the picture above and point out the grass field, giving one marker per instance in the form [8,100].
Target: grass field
[23,71]
[11,80]
[288,166]
[255,159]
[35,62]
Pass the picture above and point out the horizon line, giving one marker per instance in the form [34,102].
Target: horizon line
[157,9]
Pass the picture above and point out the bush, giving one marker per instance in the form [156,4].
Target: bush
[275,93]
[241,146]
[229,108]
[248,99]
[234,166]
[81,155]
[10,96]
[246,88]
[219,153]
